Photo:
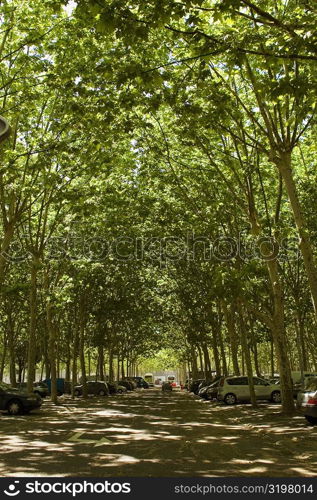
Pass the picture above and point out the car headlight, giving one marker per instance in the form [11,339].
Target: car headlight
[32,398]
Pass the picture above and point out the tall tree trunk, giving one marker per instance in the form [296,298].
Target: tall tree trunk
[75,355]
[215,351]
[200,359]
[111,371]
[51,347]
[118,367]
[11,345]
[229,312]
[6,240]
[194,362]
[247,356]
[279,336]
[3,358]
[101,362]
[224,370]
[82,350]
[283,163]
[206,361]
[35,264]
[256,358]
[300,334]
[215,339]
[272,357]
[68,362]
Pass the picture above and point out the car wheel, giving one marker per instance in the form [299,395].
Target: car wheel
[230,399]
[311,420]
[76,393]
[14,407]
[276,397]
[119,391]
[101,392]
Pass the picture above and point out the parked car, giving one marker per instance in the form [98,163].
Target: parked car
[300,379]
[132,381]
[127,383]
[93,389]
[236,389]
[273,380]
[307,400]
[298,376]
[115,388]
[39,388]
[194,386]
[167,387]
[16,401]
[296,387]
[60,382]
[140,382]
[210,391]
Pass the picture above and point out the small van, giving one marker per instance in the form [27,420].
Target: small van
[236,389]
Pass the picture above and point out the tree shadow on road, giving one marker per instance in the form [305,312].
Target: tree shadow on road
[155,434]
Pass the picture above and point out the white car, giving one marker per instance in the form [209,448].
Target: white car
[236,389]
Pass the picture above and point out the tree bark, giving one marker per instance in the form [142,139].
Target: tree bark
[51,348]
[3,358]
[33,321]
[194,362]
[111,371]
[75,354]
[82,350]
[206,361]
[247,357]
[101,362]
[6,240]
[215,340]
[284,165]
[11,345]
[279,336]
[229,313]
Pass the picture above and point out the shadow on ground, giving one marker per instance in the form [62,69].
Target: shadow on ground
[149,433]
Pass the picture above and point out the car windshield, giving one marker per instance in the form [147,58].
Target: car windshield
[5,386]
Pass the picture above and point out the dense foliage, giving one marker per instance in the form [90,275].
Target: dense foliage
[158,187]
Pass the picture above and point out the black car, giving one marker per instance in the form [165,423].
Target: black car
[210,390]
[93,389]
[194,386]
[16,401]
[140,382]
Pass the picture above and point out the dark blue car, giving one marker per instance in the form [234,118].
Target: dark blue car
[60,385]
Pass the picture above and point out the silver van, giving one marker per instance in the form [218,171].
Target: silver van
[236,389]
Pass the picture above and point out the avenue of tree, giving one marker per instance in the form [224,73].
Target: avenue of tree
[158,188]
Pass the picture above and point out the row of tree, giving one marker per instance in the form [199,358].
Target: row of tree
[158,187]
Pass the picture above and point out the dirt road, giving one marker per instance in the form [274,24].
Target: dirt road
[148,433]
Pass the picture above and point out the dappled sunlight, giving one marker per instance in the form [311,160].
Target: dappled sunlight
[147,433]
